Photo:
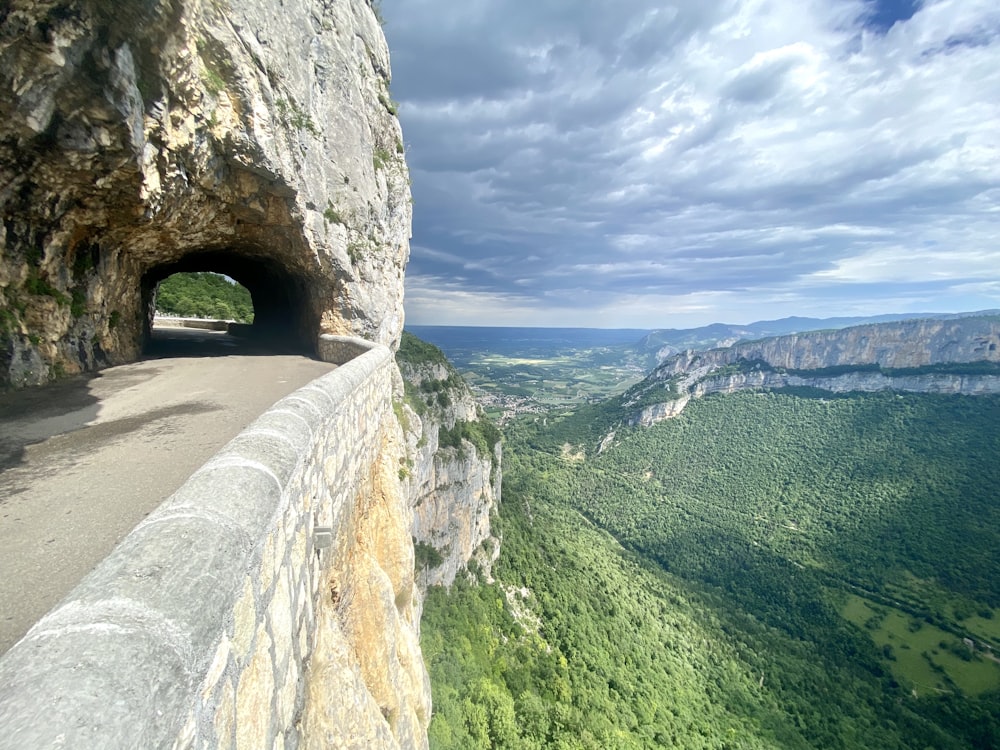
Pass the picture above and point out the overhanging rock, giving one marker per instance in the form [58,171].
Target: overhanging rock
[140,138]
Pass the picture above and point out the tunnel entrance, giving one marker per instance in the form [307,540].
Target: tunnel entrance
[275,316]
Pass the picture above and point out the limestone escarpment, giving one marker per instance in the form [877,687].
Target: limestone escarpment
[920,356]
[142,138]
[454,493]
[909,343]
[453,474]
[367,686]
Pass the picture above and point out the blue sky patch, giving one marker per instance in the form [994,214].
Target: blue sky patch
[885,13]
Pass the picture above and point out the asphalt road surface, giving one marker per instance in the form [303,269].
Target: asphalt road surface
[82,462]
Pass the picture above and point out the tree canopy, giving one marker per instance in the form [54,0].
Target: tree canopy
[766,570]
[204,295]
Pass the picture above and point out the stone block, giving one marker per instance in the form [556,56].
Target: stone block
[187,736]
[254,699]
[177,571]
[294,419]
[225,716]
[117,680]
[288,696]
[264,446]
[216,670]
[297,556]
[267,563]
[244,622]
[239,493]
[279,615]
[313,403]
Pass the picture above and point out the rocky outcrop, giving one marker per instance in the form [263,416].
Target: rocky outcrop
[906,344]
[454,472]
[884,356]
[367,686]
[454,493]
[139,138]
[654,413]
[969,385]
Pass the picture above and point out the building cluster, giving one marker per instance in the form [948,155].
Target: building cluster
[507,404]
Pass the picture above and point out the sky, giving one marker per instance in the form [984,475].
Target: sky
[647,164]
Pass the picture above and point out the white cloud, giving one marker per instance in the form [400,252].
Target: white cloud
[596,162]
[906,264]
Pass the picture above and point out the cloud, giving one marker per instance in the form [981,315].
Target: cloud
[590,161]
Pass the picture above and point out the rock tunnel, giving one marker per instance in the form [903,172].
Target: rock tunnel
[282,317]
[142,139]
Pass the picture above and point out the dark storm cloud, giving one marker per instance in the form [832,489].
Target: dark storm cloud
[605,163]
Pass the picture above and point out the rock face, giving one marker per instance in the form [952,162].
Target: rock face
[454,493]
[367,686]
[454,488]
[910,343]
[139,138]
[865,358]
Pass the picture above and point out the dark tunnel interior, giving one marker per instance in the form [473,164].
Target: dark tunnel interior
[282,320]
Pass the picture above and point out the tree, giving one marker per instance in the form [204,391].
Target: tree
[205,295]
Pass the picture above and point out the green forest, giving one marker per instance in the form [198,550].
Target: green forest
[204,295]
[767,570]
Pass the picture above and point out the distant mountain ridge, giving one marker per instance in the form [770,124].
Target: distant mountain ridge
[957,354]
[663,343]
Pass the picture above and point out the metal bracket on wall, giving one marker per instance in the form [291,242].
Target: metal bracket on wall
[322,537]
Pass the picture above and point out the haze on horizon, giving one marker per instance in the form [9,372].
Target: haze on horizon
[637,164]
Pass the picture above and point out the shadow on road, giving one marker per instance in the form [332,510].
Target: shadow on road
[194,342]
[33,415]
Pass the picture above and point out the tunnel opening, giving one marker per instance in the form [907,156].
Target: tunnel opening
[280,322]
[204,295]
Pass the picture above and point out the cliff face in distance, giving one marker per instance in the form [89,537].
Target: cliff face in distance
[959,355]
[453,473]
[143,137]
[666,342]
[906,344]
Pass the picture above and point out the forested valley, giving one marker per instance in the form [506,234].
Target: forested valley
[767,570]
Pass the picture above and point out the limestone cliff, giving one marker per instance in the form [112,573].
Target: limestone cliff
[453,473]
[367,685]
[905,344]
[139,138]
[143,137]
[957,356]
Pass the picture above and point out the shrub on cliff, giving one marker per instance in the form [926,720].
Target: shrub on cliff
[483,434]
[415,352]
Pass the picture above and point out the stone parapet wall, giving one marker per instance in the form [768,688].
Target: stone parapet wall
[205,325]
[198,629]
[339,349]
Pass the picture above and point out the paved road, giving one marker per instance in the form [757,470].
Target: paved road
[82,462]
